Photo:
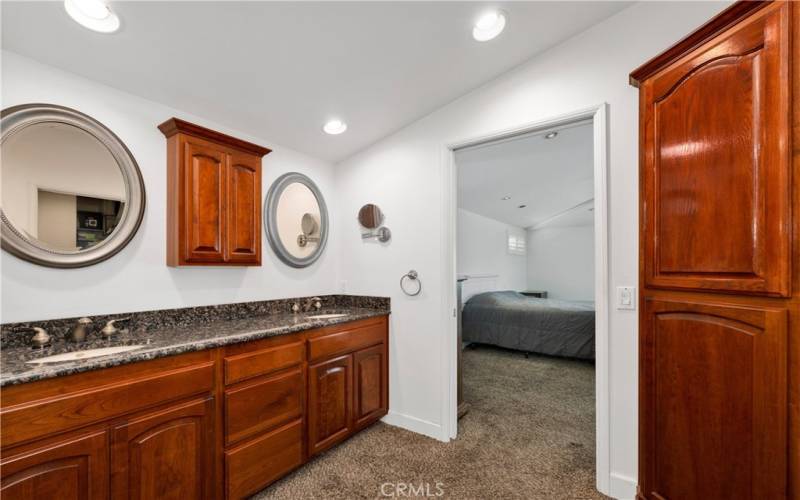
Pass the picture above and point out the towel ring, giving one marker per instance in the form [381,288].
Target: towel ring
[413,276]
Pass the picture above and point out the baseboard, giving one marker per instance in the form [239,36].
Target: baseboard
[622,487]
[414,424]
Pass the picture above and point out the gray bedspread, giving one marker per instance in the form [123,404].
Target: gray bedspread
[515,321]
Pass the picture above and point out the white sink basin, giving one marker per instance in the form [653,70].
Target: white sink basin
[327,316]
[89,353]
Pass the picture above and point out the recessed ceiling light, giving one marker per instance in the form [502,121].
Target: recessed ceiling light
[335,127]
[505,198]
[522,206]
[551,135]
[489,25]
[93,14]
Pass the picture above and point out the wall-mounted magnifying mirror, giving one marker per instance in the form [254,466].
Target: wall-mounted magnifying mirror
[72,192]
[370,216]
[296,219]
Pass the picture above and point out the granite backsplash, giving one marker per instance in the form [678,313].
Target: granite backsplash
[10,336]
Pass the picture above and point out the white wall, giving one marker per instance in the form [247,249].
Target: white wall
[137,278]
[483,249]
[561,261]
[404,175]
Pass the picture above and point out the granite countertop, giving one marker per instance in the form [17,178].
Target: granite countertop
[164,341]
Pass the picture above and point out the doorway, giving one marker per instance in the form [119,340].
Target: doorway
[595,118]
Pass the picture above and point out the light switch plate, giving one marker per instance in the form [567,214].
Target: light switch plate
[626,297]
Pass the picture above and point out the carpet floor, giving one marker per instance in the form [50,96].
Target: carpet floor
[529,433]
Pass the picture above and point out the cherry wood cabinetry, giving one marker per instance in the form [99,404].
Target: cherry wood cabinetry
[719,375]
[165,453]
[223,422]
[213,197]
[330,393]
[74,467]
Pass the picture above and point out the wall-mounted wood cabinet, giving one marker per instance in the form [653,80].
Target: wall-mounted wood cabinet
[213,197]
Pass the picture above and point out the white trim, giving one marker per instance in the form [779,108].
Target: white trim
[414,424]
[622,487]
[598,116]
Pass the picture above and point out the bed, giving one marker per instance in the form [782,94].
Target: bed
[547,326]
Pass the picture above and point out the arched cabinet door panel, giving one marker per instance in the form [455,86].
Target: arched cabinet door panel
[716,162]
[713,382]
[165,454]
[330,403]
[71,469]
[205,201]
[244,216]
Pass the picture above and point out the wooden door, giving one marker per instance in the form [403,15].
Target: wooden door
[205,186]
[370,385]
[244,209]
[165,454]
[330,403]
[716,163]
[713,400]
[73,468]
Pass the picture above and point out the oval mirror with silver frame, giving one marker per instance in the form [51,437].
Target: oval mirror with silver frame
[72,193]
[296,220]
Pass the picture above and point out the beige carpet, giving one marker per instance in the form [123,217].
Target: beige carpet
[529,434]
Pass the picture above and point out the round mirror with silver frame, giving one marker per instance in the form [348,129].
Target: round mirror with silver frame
[296,220]
[73,194]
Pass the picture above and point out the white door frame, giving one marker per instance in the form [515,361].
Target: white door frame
[598,115]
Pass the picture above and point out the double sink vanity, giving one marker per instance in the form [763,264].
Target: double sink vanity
[204,402]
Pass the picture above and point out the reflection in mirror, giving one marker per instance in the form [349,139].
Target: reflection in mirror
[296,219]
[72,194]
[68,195]
[370,216]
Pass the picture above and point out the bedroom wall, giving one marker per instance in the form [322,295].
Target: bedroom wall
[403,173]
[137,278]
[561,261]
[482,250]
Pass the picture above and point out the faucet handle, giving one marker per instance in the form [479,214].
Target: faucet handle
[40,338]
[295,308]
[111,328]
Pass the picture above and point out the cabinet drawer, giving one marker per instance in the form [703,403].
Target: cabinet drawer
[251,364]
[68,411]
[346,341]
[262,404]
[255,464]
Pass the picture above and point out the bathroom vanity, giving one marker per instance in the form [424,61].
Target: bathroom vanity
[219,409]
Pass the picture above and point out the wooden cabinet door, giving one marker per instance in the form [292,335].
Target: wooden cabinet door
[713,390]
[205,203]
[165,454]
[330,402]
[244,209]
[370,390]
[716,163]
[75,468]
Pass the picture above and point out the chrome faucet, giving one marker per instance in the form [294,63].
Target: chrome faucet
[314,302]
[79,332]
[110,328]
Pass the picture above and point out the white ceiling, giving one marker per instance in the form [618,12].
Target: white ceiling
[280,70]
[551,176]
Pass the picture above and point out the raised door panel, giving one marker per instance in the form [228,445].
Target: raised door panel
[329,403]
[75,468]
[716,163]
[205,203]
[713,401]
[244,209]
[370,391]
[164,454]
